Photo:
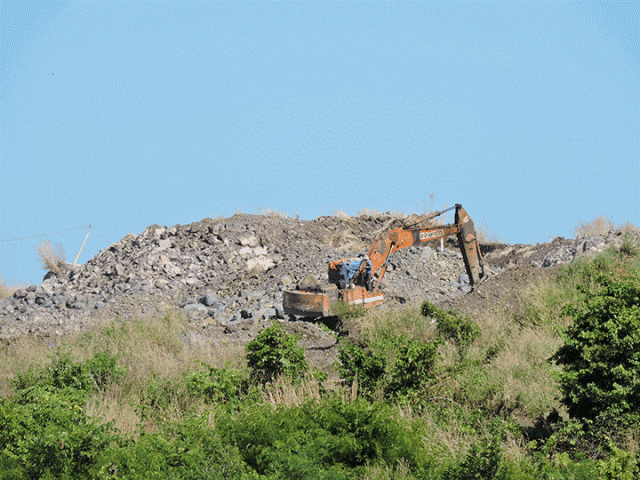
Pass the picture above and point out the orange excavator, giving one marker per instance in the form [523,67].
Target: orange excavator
[356,281]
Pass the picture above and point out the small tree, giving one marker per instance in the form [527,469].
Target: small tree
[601,354]
[274,353]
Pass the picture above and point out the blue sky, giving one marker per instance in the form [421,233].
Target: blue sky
[123,115]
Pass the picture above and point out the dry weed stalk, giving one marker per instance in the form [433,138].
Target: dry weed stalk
[6,292]
[268,212]
[599,226]
[368,212]
[291,394]
[53,259]
[341,215]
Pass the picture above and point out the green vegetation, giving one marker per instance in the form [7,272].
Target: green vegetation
[274,353]
[548,391]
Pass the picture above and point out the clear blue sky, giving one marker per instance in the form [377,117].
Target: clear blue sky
[123,115]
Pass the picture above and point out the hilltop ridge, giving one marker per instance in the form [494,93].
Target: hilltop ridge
[226,275]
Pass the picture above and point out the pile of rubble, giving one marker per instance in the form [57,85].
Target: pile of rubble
[226,271]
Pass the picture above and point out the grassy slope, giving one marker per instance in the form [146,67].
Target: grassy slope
[488,392]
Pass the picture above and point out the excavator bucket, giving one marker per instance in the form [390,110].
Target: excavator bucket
[469,246]
[306,304]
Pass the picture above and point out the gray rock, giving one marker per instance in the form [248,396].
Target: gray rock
[208,299]
[196,311]
[268,313]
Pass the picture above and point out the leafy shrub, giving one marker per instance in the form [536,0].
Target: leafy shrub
[601,353]
[190,450]
[48,435]
[325,439]
[408,372]
[86,376]
[460,330]
[217,385]
[366,367]
[413,367]
[481,463]
[620,465]
[273,353]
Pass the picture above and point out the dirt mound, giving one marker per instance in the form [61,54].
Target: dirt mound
[227,276]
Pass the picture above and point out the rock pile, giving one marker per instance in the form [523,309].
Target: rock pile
[227,271]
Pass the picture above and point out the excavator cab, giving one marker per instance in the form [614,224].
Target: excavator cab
[350,272]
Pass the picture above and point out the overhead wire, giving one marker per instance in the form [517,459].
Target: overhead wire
[45,234]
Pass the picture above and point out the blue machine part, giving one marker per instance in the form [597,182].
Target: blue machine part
[353,266]
[347,270]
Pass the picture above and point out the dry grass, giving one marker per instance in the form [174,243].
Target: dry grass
[52,258]
[156,350]
[341,215]
[483,237]
[20,356]
[368,212]
[512,371]
[291,394]
[6,292]
[630,229]
[110,406]
[400,471]
[599,226]
[521,375]
[376,325]
[267,212]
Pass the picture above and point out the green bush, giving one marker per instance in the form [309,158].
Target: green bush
[217,385]
[620,465]
[405,367]
[366,367]
[48,435]
[326,439]
[601,354]
[481,463]
[452,326]
[413,367]
[274,353]
[191,450]
[92,374]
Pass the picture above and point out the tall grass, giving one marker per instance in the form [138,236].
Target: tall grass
[155,353]
[598,226]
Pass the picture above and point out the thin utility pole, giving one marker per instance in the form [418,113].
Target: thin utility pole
[82,246]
